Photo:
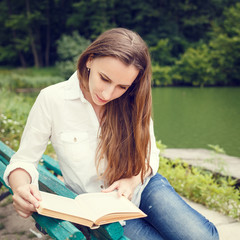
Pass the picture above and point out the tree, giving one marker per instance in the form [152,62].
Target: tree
[69,49]
[194,67]
[92,17]
[225,46]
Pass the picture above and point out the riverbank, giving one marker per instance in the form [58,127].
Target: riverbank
[207,159]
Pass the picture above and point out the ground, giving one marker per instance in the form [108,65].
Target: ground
[13,227]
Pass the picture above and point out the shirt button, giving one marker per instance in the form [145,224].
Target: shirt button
[75,139]
[102,186]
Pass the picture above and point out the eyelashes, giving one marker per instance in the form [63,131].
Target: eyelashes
[104,79]
[108,81]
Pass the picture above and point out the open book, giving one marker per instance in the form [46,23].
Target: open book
[89,209]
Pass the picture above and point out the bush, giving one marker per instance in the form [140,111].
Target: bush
[161,53]
[69,49]
[162,75]
[195,67]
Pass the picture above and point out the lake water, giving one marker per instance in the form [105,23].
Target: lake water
[196,117]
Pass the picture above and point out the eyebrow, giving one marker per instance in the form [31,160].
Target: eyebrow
[105,76]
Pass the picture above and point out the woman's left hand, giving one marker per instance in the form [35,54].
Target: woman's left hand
[125,186]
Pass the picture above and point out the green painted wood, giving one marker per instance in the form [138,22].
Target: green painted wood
[6,151]
[108,231]
[58,229]
[51,164]
[2,170]
[4,160]
[124,238]
[50,183]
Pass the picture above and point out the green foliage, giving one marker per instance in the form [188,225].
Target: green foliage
[31,78]
[191,43]
[225,45]
[161,53]
[160,145]
[11,131]
[161,75]
[217,160]
[92,17]
[202,187]
[69,49]
[217,148]
[194,67]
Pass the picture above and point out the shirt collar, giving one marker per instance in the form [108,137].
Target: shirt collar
[73,90]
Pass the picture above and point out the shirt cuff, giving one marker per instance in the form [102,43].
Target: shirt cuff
[30,168]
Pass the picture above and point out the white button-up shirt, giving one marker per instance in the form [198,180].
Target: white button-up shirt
[62,114]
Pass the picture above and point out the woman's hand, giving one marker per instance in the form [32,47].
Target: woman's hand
[26,199]
[125,186]
[26,196]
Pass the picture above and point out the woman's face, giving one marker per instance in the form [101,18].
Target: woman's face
[109,79]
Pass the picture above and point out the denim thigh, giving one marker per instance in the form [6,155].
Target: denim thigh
[169,217]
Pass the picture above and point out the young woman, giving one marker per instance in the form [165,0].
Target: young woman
[99,122]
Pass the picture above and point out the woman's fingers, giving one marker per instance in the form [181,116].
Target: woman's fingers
[22,204]
[111,188]
[26,200]
[36,196]
[122,187]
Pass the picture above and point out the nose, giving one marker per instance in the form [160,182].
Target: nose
[107,92]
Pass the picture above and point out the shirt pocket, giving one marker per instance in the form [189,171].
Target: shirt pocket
[76,146]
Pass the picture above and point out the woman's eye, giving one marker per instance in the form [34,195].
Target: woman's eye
[104,79]
[122,87]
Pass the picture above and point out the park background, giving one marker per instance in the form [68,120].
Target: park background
[195,50]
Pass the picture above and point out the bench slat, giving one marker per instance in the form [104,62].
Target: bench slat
[51,164]
[58,229]
[6,151]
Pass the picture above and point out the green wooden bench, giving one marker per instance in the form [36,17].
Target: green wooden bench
[48,182]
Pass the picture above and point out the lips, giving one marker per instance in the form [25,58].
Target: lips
[101,100]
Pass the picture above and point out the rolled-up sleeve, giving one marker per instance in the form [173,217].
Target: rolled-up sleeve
[34,140]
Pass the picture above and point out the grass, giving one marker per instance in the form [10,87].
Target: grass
[29,78]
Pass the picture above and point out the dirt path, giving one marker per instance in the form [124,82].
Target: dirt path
[13,227]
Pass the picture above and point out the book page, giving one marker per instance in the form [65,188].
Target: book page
[106,203]
[64,205]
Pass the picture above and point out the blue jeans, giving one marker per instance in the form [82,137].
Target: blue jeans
[169,217]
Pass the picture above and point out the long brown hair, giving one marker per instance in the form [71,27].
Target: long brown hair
[124,137]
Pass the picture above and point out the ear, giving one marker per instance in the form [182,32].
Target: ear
[89,61]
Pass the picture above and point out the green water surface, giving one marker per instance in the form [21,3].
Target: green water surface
[196,117]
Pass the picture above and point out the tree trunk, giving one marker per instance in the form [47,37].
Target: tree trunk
[22,59]
[48,36]
[14,34]
[32,40]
